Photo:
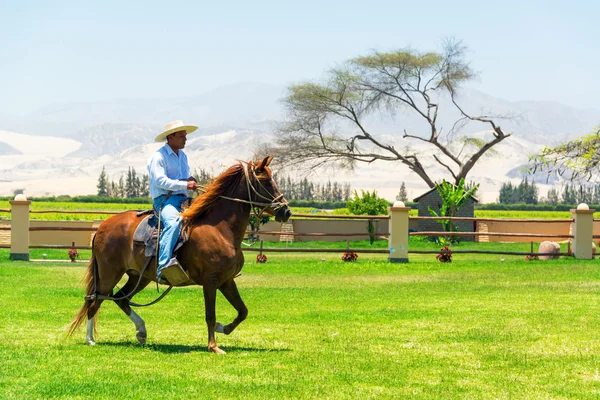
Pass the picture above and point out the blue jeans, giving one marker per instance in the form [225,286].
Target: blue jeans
[170,221]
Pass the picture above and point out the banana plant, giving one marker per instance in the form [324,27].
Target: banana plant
[453,197]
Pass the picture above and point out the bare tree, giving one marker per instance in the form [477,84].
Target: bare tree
[325,123]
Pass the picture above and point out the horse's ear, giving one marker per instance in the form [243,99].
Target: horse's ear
[265,163]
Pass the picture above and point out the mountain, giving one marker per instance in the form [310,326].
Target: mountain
[256,106]
[61,148]
[7,150]
[112,138]
[247,105]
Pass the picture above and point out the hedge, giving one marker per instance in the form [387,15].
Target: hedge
[530,207]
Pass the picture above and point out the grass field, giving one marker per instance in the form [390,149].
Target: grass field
[318,328]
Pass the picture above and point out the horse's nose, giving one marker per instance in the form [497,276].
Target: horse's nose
[283,214]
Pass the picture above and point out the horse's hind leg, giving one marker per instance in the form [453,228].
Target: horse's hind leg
[105,287]
[91,322]
[230,291]
[140,325]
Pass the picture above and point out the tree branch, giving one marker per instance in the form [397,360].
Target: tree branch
[447,167]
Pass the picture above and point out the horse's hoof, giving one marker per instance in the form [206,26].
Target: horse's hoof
[216,350]
[141,337]
[90,342]
[219,328]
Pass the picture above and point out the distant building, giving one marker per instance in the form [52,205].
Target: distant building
[432,199]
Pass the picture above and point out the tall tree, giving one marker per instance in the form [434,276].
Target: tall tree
[379,83]
[114,190]
[121,187]
[132,184]
[568,195]
[145,186]
[553,196]
[596,197]
[103,183]
[347,192]
[402,195]
[203,177]
[508,194]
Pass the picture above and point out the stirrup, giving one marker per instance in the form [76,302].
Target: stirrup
[174,274]
[162,280]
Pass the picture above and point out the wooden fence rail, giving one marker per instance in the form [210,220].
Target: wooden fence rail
[398,234]
[506,234]
[316,234]
[322,216]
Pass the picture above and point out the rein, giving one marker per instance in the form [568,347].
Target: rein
[258,208]
[272,202]
[98,296]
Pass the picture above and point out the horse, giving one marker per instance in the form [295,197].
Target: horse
[215,224]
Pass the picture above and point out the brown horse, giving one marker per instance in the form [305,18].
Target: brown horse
[215,224]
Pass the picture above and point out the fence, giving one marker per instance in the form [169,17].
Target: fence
[396,228]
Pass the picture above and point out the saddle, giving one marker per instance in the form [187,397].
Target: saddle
[147,233]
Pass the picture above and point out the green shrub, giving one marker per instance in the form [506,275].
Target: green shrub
[368,204]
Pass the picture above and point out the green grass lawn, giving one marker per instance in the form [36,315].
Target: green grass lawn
[318,328]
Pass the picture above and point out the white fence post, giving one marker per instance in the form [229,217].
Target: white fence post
[19,228]
[398,240]
[583,231]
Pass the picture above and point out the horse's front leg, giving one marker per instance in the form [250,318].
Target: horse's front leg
[230,291]
[210,299]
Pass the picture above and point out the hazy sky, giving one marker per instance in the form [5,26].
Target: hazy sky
[62,51]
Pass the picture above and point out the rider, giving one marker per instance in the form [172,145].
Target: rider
[170,180]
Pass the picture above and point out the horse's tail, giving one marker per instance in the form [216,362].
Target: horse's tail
[89,290]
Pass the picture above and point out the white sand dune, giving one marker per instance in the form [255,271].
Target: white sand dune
[42,169]
[44,146]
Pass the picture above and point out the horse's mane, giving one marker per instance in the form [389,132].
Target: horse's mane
[223,185]
[220,186]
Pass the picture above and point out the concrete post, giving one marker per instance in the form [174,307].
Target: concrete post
[398,240]
[583,231]
[19,228]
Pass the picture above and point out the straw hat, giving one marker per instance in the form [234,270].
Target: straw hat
[173,127]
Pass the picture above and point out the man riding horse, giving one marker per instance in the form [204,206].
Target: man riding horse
[215,225]
[170,179]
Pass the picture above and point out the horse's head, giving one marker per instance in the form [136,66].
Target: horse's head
[265,193]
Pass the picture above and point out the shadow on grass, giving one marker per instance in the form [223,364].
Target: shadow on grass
[179,348]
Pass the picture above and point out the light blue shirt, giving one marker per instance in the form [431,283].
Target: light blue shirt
[168,171]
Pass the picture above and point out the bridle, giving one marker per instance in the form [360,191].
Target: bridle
[273,202]
[258,207]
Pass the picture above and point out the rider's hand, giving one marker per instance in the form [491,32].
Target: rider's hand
[192,185]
